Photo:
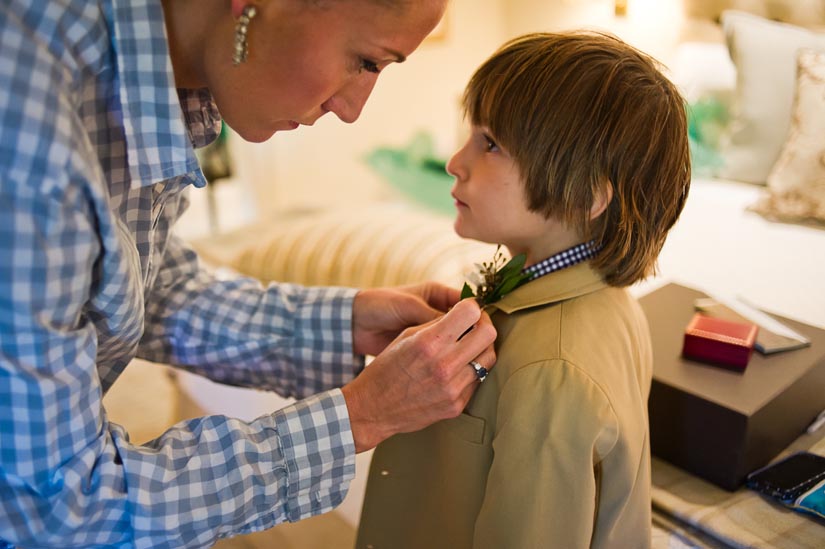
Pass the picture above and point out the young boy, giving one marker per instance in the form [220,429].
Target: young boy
[578,159]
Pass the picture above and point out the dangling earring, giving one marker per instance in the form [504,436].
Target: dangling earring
[241,28]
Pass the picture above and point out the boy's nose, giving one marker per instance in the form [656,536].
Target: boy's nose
[348,102]
[455,166]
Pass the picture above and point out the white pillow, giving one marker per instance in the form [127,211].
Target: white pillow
[764,53]
[796,184]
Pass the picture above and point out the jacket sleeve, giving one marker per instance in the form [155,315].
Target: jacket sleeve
[553,425]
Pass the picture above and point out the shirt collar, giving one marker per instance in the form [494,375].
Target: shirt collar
[566,258]
[158,142]
[203,121]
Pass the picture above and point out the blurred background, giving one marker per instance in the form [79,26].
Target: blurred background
[325,165]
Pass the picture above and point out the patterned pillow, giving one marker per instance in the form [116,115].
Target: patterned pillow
[764,53]
[796,184]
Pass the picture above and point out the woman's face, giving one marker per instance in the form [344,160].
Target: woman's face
[310,57]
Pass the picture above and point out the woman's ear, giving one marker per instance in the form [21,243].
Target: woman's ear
[601,199]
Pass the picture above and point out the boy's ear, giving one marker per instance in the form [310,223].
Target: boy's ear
[601,199]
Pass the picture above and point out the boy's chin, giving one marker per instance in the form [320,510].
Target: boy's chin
[461,230]
[467,232]
[457,227]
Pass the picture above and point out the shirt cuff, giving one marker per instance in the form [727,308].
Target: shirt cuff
[319,452]
[323,328]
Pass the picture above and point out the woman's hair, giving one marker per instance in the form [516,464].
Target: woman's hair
[578,111]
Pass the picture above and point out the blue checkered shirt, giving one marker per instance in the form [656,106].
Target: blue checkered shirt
[96,149]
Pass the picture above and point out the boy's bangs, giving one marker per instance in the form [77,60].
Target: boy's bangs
[486,102]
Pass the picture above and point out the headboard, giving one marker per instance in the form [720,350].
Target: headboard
[806,13]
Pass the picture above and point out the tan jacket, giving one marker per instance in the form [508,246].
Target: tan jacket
[553,449]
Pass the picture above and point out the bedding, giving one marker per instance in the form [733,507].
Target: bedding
[721,248]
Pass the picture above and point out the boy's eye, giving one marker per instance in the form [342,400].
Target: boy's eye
[369,66]
[490,144]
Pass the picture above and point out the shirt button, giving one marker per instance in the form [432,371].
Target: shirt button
[385,473]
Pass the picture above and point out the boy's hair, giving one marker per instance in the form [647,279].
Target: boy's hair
[577,110]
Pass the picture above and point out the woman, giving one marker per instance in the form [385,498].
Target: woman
[101,106]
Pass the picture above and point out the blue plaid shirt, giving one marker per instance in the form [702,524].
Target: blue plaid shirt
[96,149]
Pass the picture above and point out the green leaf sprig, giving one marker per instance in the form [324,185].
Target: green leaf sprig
[496,278]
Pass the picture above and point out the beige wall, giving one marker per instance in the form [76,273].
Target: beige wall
[651,25]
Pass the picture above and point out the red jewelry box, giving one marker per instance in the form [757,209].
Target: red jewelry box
[720,342]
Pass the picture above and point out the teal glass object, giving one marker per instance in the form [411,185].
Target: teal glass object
[707,120]
[416,172]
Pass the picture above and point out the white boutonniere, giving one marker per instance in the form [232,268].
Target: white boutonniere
[495,279]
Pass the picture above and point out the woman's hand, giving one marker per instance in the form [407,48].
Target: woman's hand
[422,377]
[380,314]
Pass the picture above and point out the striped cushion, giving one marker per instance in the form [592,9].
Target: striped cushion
[378,247]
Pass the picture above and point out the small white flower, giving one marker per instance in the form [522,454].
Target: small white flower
[475,278]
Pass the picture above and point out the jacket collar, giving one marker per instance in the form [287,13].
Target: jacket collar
[561,285]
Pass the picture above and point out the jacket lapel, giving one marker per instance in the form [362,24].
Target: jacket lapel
[568,283]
